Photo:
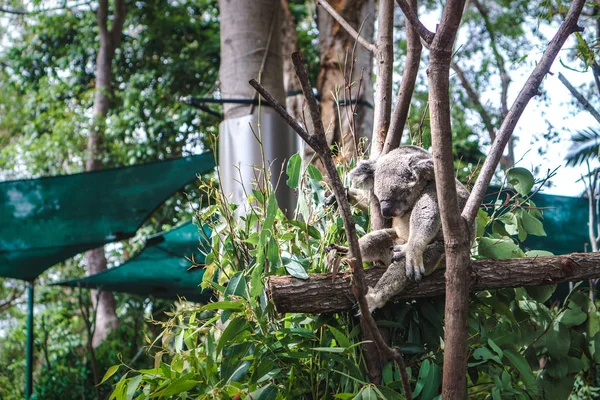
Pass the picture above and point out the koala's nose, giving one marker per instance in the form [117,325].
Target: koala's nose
[386,208]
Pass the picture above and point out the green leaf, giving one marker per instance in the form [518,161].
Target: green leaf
[293,266]
[482,220]
[235,327]
[237,286]
[268,392]
[224,305]
[314,173]
[595,348]
[272,208]
[573,315]
[178,386]
[132,386]
[110,372]
[527,375]
[273,254]
[538,253]
[501,248]
[521,179]
[541,293]
[329,349]
[339,337]
[485,354]
[556,389]
[532,225]
[293,170]
[428,381]
[557,340]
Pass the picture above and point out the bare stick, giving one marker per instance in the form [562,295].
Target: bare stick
[586,104]
[351,31]
[319,144]
[407,87]
[320,294]
[411,16]
[530,89]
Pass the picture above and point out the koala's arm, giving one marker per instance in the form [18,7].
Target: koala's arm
[425,226]
[395,280]
[377,245]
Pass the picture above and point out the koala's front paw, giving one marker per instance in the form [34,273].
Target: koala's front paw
[415,270]
[398,252]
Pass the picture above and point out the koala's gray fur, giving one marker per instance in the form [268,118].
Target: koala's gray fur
[403,182]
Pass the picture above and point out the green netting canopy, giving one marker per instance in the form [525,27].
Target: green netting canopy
[565,222]
[162,269]
[45,221]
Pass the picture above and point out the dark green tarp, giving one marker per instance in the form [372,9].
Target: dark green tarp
[45,221]
[162,269]
[565,222]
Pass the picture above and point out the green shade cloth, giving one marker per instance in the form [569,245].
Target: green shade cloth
[45,221]
[565,222]
[161,269]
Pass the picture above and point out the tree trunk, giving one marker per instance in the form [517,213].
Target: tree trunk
[344,82]
[320,293]
[103,302]
[251,49]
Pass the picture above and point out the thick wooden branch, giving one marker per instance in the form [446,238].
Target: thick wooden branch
[351,31]
[320,294]
[580,98]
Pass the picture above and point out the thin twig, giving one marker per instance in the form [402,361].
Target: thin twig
[584,102]
[351,31]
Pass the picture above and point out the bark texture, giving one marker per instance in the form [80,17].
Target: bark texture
[342,63]
[110,38]
[320,293]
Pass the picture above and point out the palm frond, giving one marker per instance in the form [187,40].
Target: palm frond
[585,145]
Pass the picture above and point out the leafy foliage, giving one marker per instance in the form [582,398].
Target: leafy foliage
[238,347]
[585,147]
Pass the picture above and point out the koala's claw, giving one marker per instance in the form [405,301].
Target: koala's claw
[398,252]
[415,270]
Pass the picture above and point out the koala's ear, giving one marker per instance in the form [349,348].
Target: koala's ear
[363,176]
[424,169]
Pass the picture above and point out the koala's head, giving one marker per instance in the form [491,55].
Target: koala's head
[397,179]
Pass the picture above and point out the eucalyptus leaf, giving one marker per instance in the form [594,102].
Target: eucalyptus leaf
[521,179]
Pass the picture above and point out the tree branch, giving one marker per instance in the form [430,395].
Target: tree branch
[322,149]
[485,117]
[530,89]
[351,31]
[13,11]
[407,87]
[322,294]
[413,18]
[119,20]
[102,17]
[582,100]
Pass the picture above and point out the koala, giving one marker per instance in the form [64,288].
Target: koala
[403,183]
